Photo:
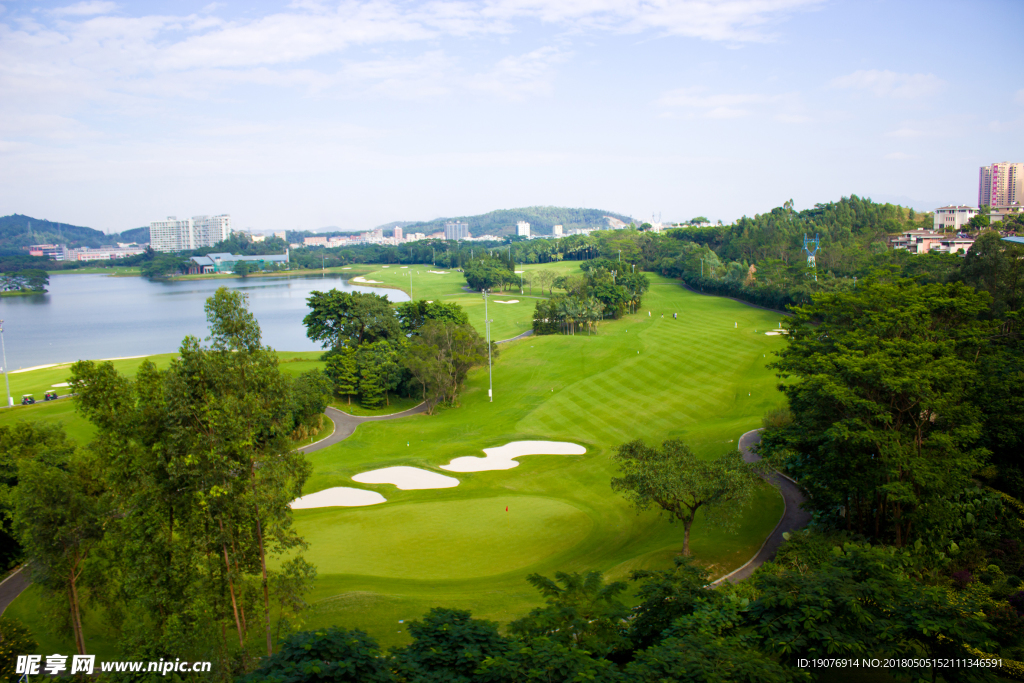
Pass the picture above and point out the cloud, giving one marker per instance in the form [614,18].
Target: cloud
[890,84]
[720,106]
[520,76]
[716,20]
[86,8]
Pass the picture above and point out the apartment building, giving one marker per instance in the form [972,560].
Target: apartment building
[522,229]
[454,230]
[189,233]
[1001,184]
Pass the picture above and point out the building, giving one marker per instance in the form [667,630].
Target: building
[925,241]
[454,230]
[1001,213]
[189,233]
[1001,184]
[398,234]
[281,235]
[953,217]
[415,237]
[256,239]
[522,229]
[315,241]
[556,230]
[103,253]
[223,262]
[55,252]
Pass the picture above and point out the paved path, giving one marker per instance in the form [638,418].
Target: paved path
[12,587]
[792,518]
[528,333]
[345,424]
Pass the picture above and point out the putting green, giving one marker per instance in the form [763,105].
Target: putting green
[444,540]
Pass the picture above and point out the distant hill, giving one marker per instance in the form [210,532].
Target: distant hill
[18,231]
[503,221]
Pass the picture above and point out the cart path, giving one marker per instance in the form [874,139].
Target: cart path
[345,424]
[12,587]
[793,518]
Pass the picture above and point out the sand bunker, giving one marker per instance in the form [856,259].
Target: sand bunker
[360,278]
[510,301]
[438,272]
[774,333]
[339,496]
[405,266]
[62,384]
[407,478]
[501,457]
[520,271]
[347,268]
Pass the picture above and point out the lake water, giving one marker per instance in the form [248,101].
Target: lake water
[98,316]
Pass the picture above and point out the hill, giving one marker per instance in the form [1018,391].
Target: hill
[503,221]
[18,231]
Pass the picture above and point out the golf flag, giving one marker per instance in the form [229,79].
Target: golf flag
[506,508]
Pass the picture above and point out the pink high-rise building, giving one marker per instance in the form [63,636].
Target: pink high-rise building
[1001,184]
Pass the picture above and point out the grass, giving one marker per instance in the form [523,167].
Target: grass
[701,378]
[116,271]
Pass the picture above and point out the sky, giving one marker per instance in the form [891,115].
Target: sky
[305,114]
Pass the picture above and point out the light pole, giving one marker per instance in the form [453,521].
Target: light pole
[410,286]
[620,256]
[10,401]
[487,333]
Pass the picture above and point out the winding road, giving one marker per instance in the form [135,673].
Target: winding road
[345,424]
[792,518]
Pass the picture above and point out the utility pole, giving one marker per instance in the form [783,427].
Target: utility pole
[487,332]
[10,401]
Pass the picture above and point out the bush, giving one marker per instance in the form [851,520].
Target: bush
[15,639]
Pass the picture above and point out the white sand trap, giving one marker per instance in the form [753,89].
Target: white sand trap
[339,496]
[347,268]
[520,271]
[407,478]
[775,333]
[62,384]
[438,272]
[360,278]
[405,266]
[510,301]
[385,266]
[501,458]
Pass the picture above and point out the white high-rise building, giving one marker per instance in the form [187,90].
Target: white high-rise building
[454,230]
[398,234]
[557,231]
[190,233]
[523,229]
[1001,184]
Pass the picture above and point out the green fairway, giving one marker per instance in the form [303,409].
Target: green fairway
[700,378]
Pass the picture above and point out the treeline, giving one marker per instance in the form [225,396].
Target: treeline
[18,231]
[416,349]
[173,524]
[823,598]
[541,219]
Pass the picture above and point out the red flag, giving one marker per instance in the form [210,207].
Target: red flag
[506,508]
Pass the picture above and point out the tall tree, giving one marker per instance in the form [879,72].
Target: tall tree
[441,357]
[338,319]
[677,481]
[343,369]
[60,516]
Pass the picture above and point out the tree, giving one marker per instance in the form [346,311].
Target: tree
[878,382]
[311,393]
[331,655]
[242,268]
[59,516]
[666,595]
[15,640]
[447,646]
[379,372]
[343,369]
[441,357]
[340,319]
[412,315]
[677,481]
[544,660]
[200,471]
[164,265]
[582,612]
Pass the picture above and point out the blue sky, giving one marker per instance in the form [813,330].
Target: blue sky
[306,114]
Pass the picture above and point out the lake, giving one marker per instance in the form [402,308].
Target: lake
[98,316]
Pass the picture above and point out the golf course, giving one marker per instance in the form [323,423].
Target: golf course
[700,378]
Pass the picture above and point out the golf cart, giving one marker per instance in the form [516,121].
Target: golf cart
[51,395]
[27,400]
